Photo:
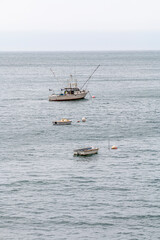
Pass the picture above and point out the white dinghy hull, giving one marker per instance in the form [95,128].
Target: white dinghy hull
[86,151]
[63,121]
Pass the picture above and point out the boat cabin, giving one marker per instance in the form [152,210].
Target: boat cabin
[70,90]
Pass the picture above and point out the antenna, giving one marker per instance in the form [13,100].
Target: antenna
[90,76]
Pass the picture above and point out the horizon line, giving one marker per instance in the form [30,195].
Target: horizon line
[112,50]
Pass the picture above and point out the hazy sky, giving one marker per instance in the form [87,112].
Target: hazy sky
[79,24]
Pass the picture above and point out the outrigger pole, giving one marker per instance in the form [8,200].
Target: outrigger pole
[90,76]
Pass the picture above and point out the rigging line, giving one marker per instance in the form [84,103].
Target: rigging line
[90,76]
[54,74]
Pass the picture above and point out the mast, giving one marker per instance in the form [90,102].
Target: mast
[90,76]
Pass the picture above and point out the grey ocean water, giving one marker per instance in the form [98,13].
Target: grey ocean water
[45,192]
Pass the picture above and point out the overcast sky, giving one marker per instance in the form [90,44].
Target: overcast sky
[79,25]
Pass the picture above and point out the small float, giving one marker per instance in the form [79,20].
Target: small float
[83,119]
[113,147]
[86,151]
[63,121]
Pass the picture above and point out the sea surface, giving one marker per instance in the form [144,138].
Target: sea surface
[45,192]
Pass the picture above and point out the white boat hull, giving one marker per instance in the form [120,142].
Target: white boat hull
[67,97]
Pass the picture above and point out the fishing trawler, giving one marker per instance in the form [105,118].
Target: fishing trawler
[72,92]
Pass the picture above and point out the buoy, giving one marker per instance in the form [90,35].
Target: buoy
[78,121]
[83,119]
[113,147]
[93,96]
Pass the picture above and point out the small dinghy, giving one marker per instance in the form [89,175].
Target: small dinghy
[86,151]
[63,121]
